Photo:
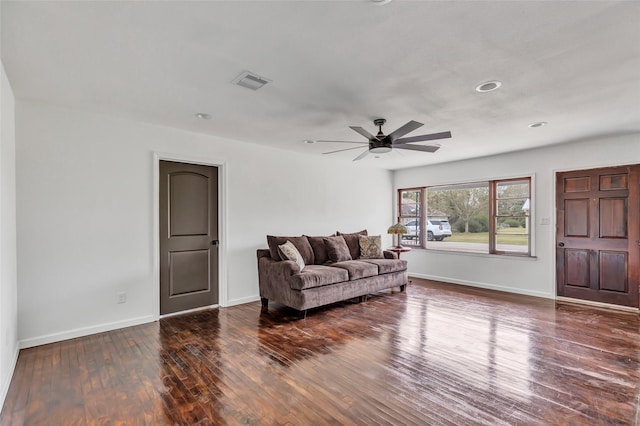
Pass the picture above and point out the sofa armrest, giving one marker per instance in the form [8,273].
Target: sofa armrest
[273,278]
[390,254]
[282,269]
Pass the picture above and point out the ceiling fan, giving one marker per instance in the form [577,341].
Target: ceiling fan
[382,143]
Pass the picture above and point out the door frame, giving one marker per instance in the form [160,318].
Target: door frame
[222,221]
[554,226]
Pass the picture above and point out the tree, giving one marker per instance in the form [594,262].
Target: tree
[465,203]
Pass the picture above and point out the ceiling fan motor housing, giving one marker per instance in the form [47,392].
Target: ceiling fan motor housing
[380,147]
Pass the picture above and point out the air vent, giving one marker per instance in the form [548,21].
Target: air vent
[250,80]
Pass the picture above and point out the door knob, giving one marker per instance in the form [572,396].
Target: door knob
[561,244]
[215,242]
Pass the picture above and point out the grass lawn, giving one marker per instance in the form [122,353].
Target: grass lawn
[505,236]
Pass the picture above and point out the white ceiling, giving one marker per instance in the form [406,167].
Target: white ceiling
[334,64]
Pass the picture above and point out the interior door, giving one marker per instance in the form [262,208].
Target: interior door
[598,237]
[188,236]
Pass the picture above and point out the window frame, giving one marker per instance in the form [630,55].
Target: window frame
[492,214]
[420,217]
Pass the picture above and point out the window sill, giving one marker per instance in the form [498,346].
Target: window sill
[477,254]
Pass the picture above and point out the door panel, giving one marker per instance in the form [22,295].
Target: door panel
[188,228]
[577,267]
[612,271]
[613,218]
[578,213]
[598,235]
[188,204]
[188,272]
[612,182]
[577,184]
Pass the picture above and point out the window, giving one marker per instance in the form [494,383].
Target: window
[481,217]
[410,208]
[510,217]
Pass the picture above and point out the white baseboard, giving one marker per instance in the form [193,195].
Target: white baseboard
[84,331]
[7,382]
[486,286]
[243,300]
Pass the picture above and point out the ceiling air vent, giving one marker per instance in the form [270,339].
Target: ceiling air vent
[250,80]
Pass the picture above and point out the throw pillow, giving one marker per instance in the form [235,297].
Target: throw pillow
[337,249]
[370,247]
[301,243]
[292,253]
[353,242]
[319,250]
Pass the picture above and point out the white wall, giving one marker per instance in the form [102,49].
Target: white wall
[526,276]
[8,279]
[85,213]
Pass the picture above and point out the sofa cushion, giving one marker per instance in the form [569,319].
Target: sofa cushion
[319,250]
[337,249]
[292,253]
[353,242]
[301,243]
[357,268]
[370,246]
[316,276]
[386,266]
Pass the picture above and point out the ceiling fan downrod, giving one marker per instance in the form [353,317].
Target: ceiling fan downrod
[381,144]
[379,122]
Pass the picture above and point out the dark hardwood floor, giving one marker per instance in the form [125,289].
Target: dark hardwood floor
[436,354]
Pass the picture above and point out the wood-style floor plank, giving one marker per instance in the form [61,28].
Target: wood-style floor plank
[436,354]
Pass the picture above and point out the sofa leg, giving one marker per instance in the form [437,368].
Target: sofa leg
[302,314]
[403,287]
[265,302]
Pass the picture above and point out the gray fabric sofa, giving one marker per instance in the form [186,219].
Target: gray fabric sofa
[321,281]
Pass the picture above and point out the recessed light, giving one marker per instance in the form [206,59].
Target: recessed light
[309,141]
[203,116]
[488,86]
[381,2]
[538,124]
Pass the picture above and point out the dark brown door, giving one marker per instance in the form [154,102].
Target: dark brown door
[188,236]
[598,235]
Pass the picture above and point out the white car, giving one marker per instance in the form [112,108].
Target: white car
[437,230]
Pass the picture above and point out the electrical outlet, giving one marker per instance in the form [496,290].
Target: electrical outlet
[122,297]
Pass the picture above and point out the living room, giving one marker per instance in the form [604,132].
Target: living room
[79,180]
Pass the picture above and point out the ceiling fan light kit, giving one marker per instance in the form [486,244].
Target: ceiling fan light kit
[381,143]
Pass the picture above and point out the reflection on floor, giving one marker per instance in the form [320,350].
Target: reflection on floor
[437,354]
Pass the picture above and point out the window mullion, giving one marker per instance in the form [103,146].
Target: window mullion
[423,217]
[492,216]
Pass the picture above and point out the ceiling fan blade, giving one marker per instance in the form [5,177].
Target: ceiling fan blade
[422,138]
[423,148]
[363,132]
[340,150]
[361,156]
[400,132]
[360,143]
